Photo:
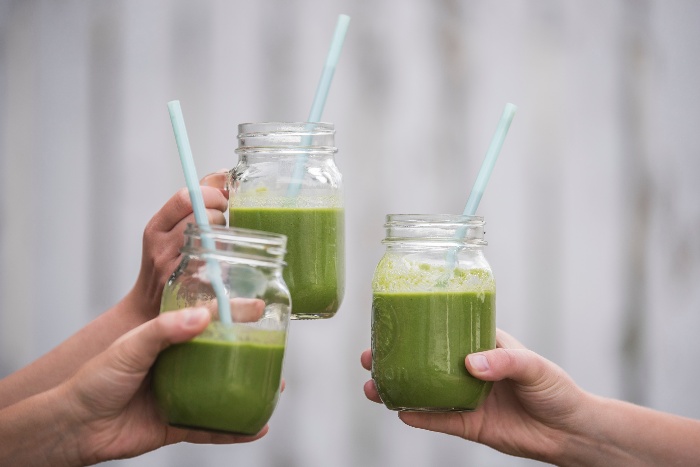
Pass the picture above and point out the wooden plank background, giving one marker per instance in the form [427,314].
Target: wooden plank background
[592,214]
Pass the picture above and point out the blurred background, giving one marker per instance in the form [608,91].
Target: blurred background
[593,211]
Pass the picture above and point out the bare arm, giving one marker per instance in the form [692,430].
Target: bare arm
[162,239]
[620,433]
[37,431]
[61,362]
[536,410]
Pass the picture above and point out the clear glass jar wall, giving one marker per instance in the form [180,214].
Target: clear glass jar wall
[286,181]
[227,378]
[434,302]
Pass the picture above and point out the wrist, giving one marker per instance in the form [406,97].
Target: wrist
[591,441]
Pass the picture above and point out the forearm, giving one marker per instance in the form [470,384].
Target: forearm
[39,431]
[61,362]
[620,433]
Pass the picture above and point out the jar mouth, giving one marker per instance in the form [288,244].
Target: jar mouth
[457,220]
[237,234]
[267,128]
[287,138]
[435,229]
[249,244]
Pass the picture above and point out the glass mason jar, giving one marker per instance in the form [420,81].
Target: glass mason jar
[286,181]
[434,302]
[227,378]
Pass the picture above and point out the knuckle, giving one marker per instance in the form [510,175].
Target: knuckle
[182,200]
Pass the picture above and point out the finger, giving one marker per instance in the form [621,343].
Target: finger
[247,310]
[216,179]
[450,423]
[371,392]
[136,350]
[216,217]
[161,249]
[506,341]
[213,217]
[283,385]
[366,359]
[243,310]
[176,435]
[520,365]
[169,249]
[179,207]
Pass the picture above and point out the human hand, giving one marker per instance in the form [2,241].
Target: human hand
[110,399]
[533,407]
[163,237]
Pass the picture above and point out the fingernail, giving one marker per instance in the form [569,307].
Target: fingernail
[194,316]
[478,362]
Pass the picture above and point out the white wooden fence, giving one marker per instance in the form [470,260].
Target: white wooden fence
[593,211]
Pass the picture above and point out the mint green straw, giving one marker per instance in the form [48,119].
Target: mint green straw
[341,28]
[490,160]
[481,180]
[200,214]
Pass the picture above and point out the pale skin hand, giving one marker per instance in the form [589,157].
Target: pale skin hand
[162,239]
[536,410]
[106,410]
[512,407]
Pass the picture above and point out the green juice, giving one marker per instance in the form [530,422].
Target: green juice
[419,343]
[315,272]
[229,386]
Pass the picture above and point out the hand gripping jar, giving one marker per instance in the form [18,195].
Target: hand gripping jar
[434,302]
[228,378]
[286,181]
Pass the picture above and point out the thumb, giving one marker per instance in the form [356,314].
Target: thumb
[136,350]
[520,365]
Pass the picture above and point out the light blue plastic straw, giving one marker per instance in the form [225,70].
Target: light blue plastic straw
[481,180]
[490,160]
[341,28]
[200,214]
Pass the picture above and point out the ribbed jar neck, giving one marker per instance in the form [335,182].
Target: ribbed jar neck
[310,138]
[236,244]
[439,230]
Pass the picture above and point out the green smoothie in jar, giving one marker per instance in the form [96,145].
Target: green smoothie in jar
[427,315]
[315,272]
[226,380]
[286,181]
